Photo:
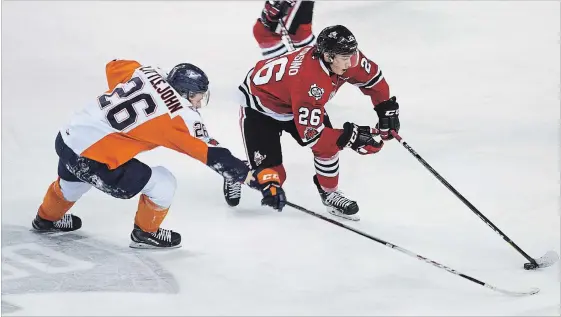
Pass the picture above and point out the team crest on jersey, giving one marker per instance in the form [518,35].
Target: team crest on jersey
[258,158]
[316,92]
[310,133]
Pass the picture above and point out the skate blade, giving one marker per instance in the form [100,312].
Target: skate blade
[140,245]
[46,232]
[337,213]
[232,202]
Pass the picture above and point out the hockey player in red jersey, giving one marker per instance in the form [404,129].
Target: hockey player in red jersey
[288,94]
[296,15]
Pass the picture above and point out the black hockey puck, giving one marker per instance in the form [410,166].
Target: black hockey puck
[530,266]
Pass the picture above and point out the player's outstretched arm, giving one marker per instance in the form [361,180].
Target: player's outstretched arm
[368,77]
[224,163]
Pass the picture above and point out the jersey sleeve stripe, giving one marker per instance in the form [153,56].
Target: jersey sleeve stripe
[249,98]
[374,81]
[274,51]
[253,101]
[311,142]
[247,102]
[369,84]
[305,42]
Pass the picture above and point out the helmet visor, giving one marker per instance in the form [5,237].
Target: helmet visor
[199,99]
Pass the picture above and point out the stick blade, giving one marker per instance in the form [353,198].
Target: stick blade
[548,259]
[532,291]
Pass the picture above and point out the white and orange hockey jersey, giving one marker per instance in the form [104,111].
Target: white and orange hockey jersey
[138,113]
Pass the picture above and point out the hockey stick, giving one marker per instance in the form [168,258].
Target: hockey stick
[546,260]
[285,36]
[419,257]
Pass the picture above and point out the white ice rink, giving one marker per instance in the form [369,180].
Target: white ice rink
[478,84]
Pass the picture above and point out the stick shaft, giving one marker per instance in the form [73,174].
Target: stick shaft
[461,197]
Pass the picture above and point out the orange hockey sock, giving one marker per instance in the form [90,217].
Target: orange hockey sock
[149,216]
[54,205]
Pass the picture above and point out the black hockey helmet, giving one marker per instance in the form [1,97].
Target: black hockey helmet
[189,80]
[335,39]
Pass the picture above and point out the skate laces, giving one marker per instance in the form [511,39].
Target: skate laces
[336,198]
[163,234]
[234,189]
[65,222]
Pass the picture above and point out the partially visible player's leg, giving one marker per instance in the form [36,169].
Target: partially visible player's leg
[304,36]
[270,42]
[326,179]
[153,206]
[232,191]
[299,24]
[61,195]
[327,183]
[261,138]
[156,185]
[335,201]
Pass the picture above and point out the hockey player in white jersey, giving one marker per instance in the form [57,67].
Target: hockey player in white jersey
[144,108]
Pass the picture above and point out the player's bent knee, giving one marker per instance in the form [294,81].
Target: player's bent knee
[161,187]
[72,191]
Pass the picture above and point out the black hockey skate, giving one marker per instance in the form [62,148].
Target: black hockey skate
[337,204]
[68,223]
[161,239]
[232,192]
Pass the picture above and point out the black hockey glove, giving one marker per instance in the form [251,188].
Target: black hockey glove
[273,12]
[359,138]
[268,182]
[388,118]
[224,163]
